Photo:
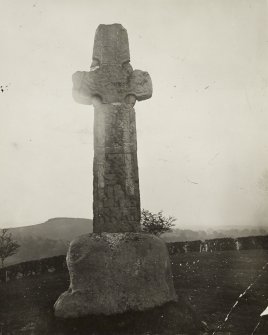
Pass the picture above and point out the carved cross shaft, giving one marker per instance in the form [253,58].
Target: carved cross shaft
[113,88]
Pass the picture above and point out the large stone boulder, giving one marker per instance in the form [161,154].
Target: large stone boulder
[112,273]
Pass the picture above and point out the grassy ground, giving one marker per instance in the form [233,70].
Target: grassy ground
[208,285]
[213,283]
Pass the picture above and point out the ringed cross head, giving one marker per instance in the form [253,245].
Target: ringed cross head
[111,78]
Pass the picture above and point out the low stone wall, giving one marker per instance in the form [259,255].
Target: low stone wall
[219,244]
[58,263]
[31,268]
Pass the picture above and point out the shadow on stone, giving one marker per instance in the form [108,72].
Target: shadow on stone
[169,319]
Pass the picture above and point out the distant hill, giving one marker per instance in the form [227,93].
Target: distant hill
[56,229]
[47,239]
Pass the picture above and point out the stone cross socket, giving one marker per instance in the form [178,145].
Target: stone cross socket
[113,88]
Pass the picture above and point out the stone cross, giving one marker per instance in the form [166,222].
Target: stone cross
[113,88]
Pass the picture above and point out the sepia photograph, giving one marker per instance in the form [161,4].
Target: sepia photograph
[134,167]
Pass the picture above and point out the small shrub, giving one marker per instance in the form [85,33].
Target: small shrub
[156,223]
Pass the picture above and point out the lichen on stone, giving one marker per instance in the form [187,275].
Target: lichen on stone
[114,239]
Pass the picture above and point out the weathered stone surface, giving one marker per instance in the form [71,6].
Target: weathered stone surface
[111,44]
[114,273]
[113,83]
[116,204]
[115,269]
[111,77]
[113,87]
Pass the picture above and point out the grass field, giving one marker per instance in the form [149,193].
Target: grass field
[208,286]
[213,283]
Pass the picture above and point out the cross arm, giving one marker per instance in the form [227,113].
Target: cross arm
[140,85]
[83,87]
[111,84]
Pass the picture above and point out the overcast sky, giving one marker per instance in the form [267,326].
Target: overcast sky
[202,137]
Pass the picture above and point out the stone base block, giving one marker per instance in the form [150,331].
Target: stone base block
[111,273]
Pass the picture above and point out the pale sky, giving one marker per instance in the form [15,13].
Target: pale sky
[202,137]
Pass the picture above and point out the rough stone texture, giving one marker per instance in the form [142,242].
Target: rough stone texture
[111,77]
[112,83]
[116,195]
[111,44]
[113,87]
[113,273]
[115,269]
